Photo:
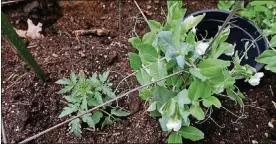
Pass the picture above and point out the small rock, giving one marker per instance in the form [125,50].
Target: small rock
[17,128]
[156,1]
[54,55]
[254,142]
[236,129]
[266,134]
[270,124]
[148,7]
[82,54]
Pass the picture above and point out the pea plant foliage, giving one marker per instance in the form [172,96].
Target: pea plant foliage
[182,99]
[82,93]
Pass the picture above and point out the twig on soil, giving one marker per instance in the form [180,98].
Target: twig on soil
[142,14]
[272,94]
[4,137]
[22,103]
[16,81]
[10,2]
[255,107]
[98,32]
[97,107]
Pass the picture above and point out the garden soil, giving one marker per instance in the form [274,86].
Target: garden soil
[30,106]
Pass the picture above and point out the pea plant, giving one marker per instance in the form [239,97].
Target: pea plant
[182,99]
[263,14]
[83,93]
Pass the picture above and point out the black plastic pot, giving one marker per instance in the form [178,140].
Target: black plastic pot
[240,29]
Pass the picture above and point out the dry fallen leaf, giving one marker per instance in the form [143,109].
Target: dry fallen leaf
[33,31]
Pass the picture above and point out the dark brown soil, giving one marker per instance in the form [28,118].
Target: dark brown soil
[30,105]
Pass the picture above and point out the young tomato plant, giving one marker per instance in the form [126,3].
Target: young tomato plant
[83,93]
[263,14]
[172,47]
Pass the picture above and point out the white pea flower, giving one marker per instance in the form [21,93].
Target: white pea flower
[255,80]
[174,124]
[201,48]
[194,30]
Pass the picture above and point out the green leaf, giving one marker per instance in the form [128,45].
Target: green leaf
[63,81]
[152,107]
[272,42]
[190,38]
[163,121]
[73,77]
[87,118]
[135,41]
[98,97]
[260,8]
[191,133]
[74,126]
[198,89]
[84,104]
[107,121]
[168,108]
[197,74]
[147,53]
[180,61]
[171,64]
[135,61]
[155,26]
[258,3]
[268,57]
[143,77]
[104,76]
[225,5]
[222,37]
[197,112]
[146,93]
[212,67]
[96,116]
[184,113]
[108,91]
[235,96]
[174,138]
[182,98]
[148,38]
[65,89]
[223,48]
[162,95]
[120,112]
[157,71]
[190,22]
[166,44]
[207,102]
[68,110]
[175,81]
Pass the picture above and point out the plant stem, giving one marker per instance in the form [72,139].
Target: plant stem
[97,107]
